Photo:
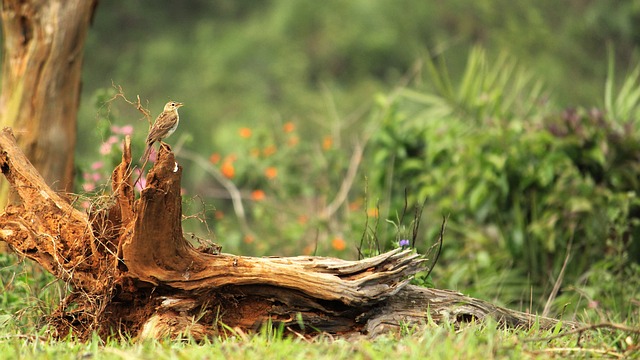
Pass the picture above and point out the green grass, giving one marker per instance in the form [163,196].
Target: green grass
[438,342]
[28,295]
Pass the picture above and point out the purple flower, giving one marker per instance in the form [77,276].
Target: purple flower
[404,242]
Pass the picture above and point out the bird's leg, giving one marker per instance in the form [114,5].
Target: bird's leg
[165,145]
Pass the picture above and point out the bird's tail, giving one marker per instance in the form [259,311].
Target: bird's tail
[143,160]
[147,153]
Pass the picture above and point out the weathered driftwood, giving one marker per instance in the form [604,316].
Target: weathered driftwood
[133,272]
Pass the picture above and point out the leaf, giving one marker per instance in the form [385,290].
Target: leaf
[477,196]
[5,319]
[579,204]
[497,160]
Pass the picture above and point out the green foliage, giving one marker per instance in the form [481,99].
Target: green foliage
[279,172]
[520,179]
[238,62]
[479,136]
[93,173]
[624,106]
[26,295]
[488,89]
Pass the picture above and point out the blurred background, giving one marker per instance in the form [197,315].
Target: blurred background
[319,128]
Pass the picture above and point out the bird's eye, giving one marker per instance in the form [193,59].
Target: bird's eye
[173,104]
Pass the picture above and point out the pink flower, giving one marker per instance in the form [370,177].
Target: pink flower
[105,148]
[88,186]
[126,130]
[97,165]
[153,155]
[96,177]
[142,181]
[115,129]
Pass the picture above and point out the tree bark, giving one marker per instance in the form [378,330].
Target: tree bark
[132,271]
[41,73]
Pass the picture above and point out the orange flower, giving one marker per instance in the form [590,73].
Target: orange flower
[258,195]
[338,243]
[219,215]
[245,132]
[288,127]
[214,158]
[269,150]
[293,141]
[327,143]
[372,212]
[302,219]
[271,172]
[355,205]
[248,239]
[227,169]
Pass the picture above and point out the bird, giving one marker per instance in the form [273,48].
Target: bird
[166,123]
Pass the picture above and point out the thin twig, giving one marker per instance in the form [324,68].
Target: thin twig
[138,105]
[443,226]
[366,218]
[234,193]
[580,350]
[416,221]
[558,282]
[586,328]
[404,208]
[342,194]
[23,337]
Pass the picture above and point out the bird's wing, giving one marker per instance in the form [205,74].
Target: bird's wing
[165,121]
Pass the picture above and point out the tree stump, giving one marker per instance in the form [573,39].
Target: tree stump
[132,272]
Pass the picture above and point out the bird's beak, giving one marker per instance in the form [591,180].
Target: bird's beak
[178,104]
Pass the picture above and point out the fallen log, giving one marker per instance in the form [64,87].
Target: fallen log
[132,272]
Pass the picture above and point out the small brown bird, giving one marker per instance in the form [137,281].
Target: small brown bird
[165,125]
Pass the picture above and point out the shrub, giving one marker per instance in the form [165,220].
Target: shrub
[520,180]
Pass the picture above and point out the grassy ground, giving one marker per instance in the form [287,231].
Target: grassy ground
[472,342]
[27,295]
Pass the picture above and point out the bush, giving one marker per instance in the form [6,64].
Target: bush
[525,185]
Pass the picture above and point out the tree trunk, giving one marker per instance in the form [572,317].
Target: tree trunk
[41,68]
[132,271]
